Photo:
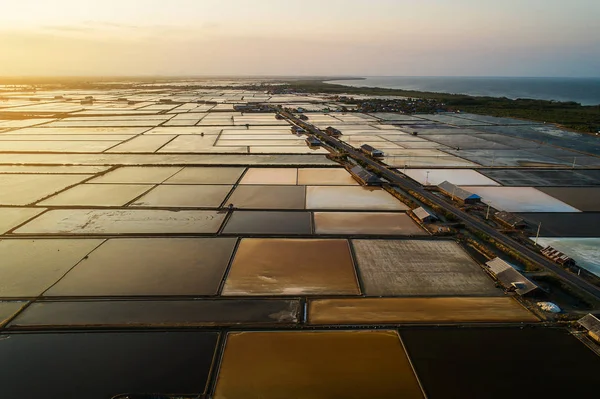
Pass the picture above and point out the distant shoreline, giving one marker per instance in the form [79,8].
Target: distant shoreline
[567,115]
[585,91]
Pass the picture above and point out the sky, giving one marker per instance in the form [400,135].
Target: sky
[300,37]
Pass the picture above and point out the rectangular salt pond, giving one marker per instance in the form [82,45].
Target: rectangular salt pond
[29,267]
[298,149]
[90,222]
[149,266]
[84,131]
[379,223]
[468,362]
[465,177]
[173,362]
[161,118]
[259,137]
[271,176]
[266,222]
[56,146]
[23,123]
[97,195]
[413,153]
[21,189]
[578,225]
[351,198]
[207,159]
[174,131]
[325,177]
[182,122]
[137,175]
[586,199]
[143,144]
[207,175]
[65,137]
[420,162]
[198,144]
[263,143]
[268,197]
[316,361]
[417,310]
[291,267]
[184,196]
[12,217]
[103,123]
[434,268]
[543,178]
[155,313]
[520,199]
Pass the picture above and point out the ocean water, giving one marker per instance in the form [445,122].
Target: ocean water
[585,91]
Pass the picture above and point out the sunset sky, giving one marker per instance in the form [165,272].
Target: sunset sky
[309,37]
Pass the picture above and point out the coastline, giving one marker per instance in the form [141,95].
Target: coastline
[567,115]
[585,90]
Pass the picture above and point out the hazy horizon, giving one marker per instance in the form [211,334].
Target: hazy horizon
[339,38]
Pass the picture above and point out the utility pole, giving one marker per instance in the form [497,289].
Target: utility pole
[574,162]
[487,215]
[427,179]
[537,236]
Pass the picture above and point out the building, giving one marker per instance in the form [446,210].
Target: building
[251,108]
[557,256]
[510,220]
[592,325]
[297,130]
[424,215]
[365,177]
[373,152]
[313,141]
[510,277]
[459,194]
[333,132]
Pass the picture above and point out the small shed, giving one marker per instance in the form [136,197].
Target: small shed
[510,277]
[313,141]
[424,215]
[371,151]
[458,193]
[333,132]
[365,177]
[592,325]
[510,220]
[297,130]
[558,257]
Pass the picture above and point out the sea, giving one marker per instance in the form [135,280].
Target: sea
[585,91]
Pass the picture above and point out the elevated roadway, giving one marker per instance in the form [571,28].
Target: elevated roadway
[405,183]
